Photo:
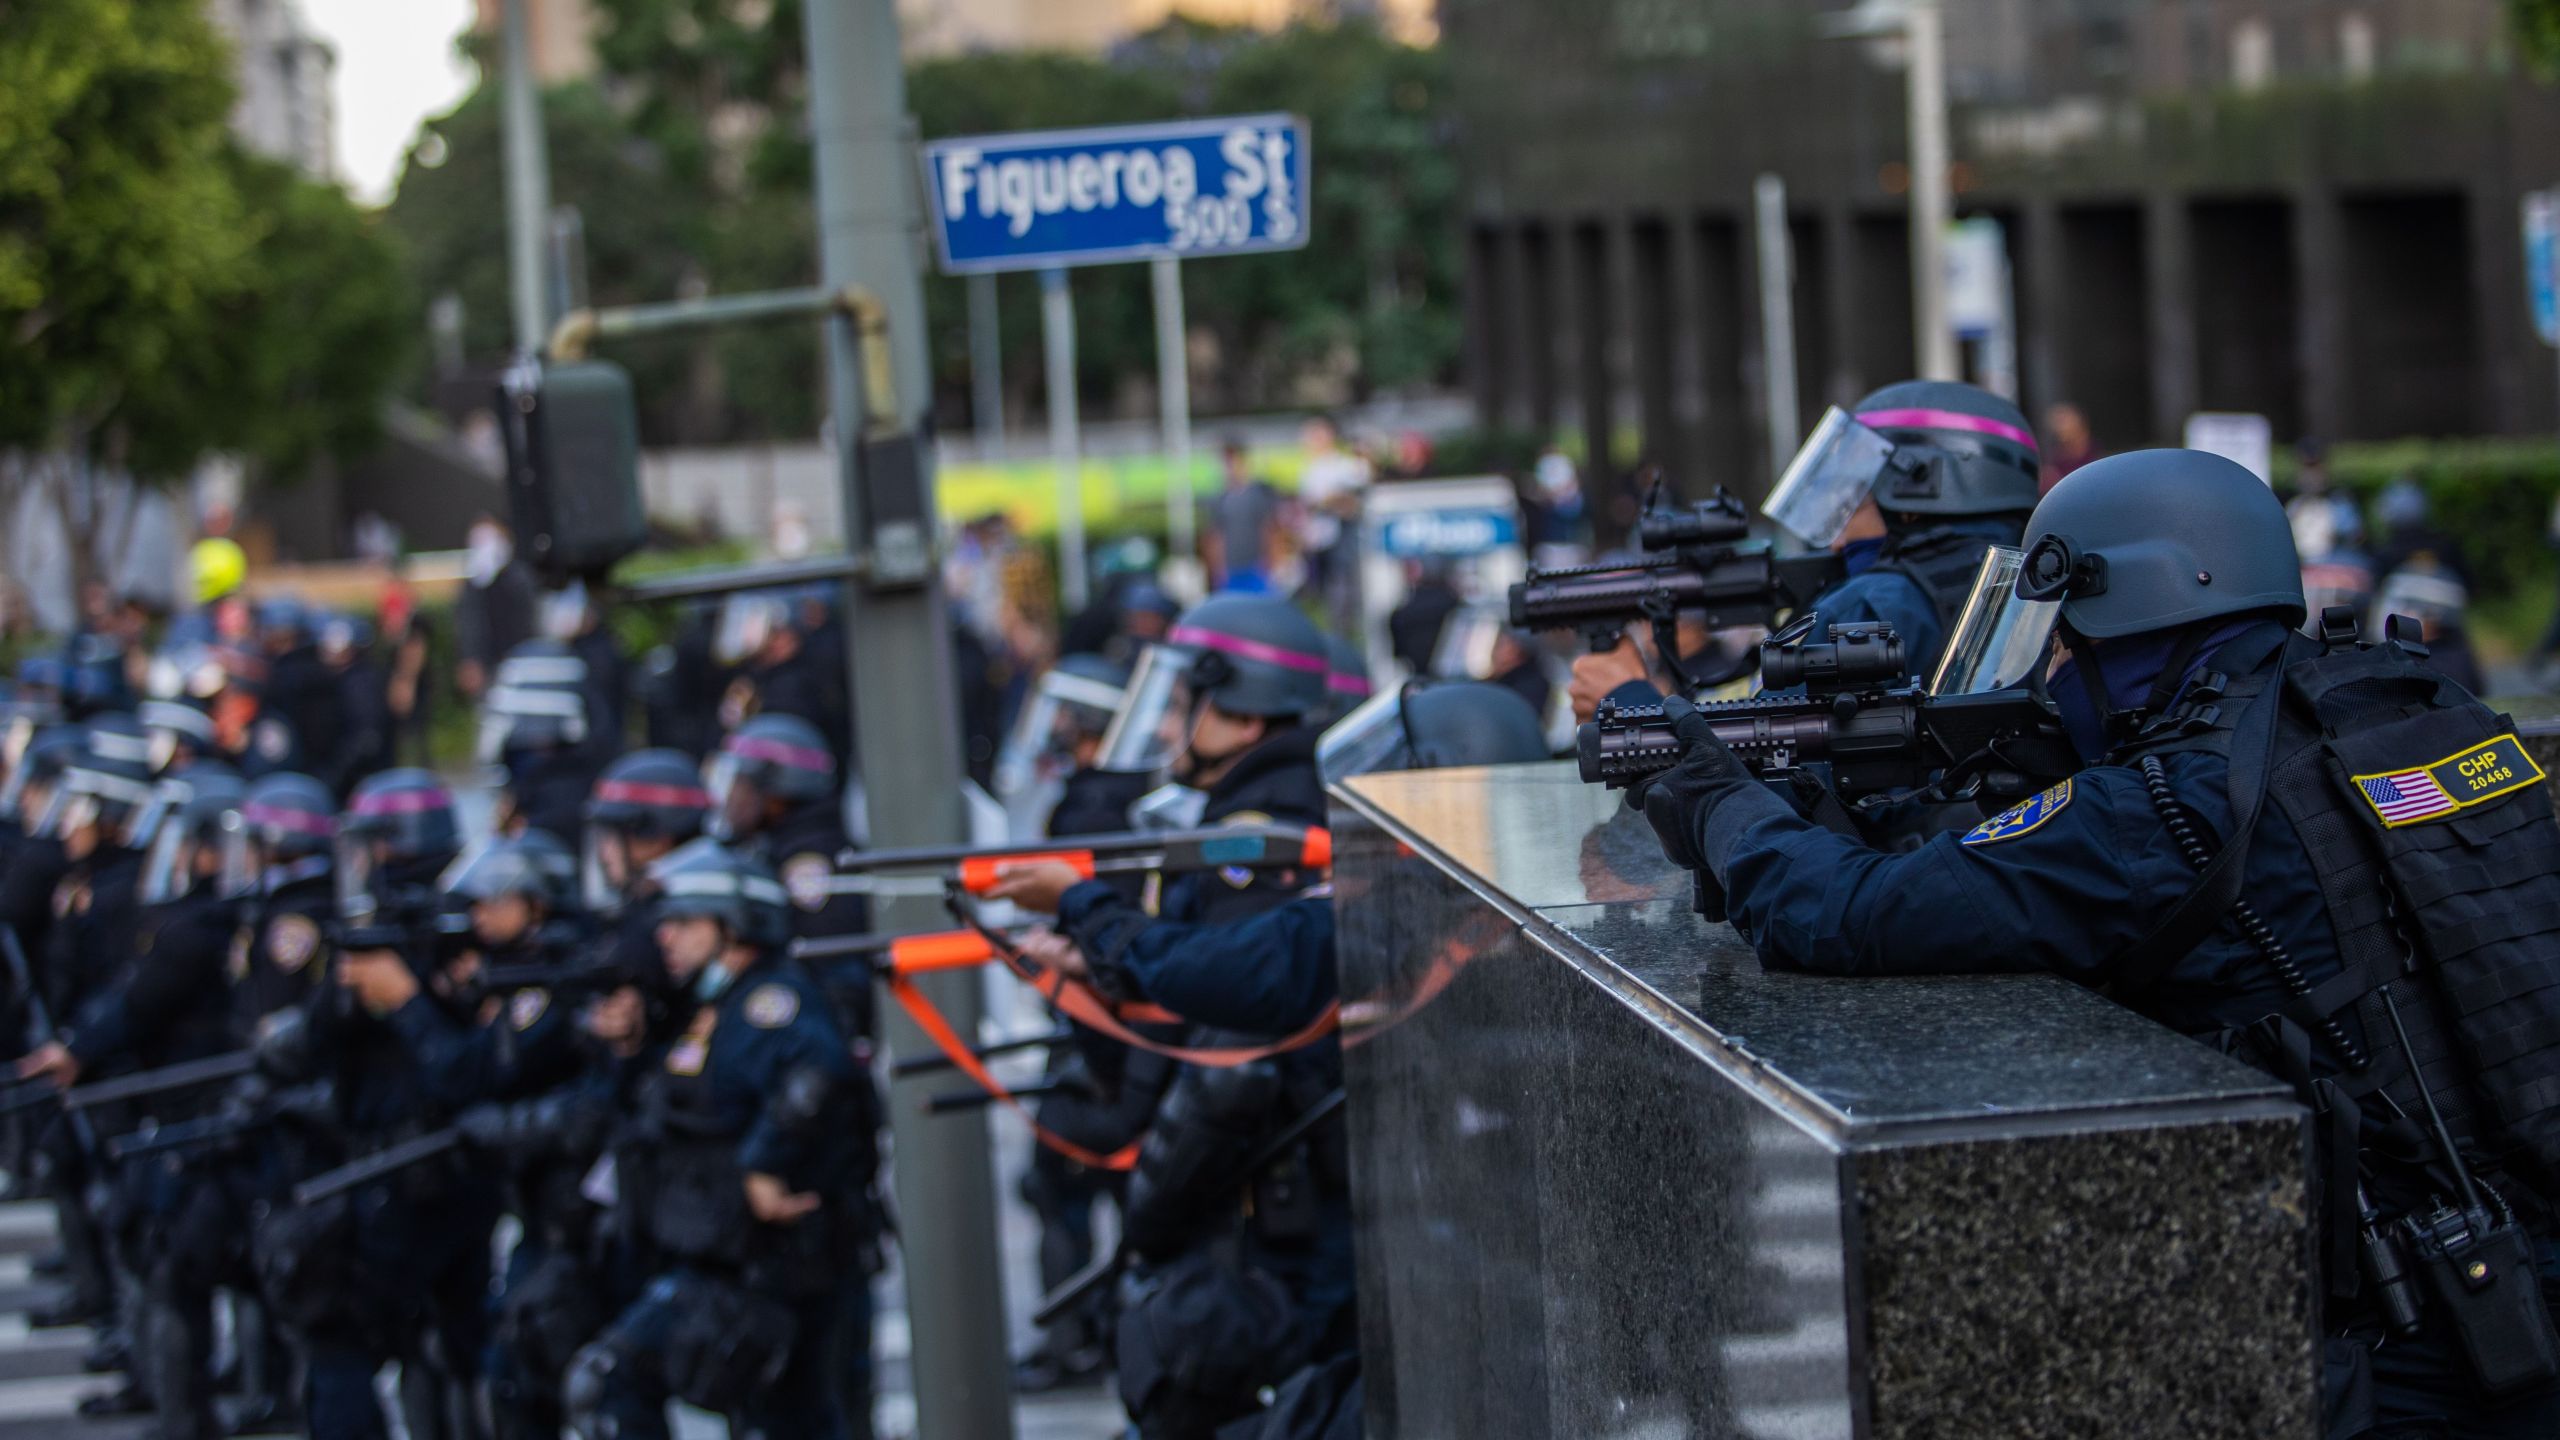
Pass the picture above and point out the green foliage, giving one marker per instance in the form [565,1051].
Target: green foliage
[2537,24]
[2493,496]
[163,293]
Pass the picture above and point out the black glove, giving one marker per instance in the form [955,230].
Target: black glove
[1678,801]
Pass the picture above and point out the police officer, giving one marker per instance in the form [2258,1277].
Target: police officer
[166,1006]
[1908,491]
[748,1178]
[363,742]
[780,671]
[2215,866]
[535,723]
[645,805]
[103,786]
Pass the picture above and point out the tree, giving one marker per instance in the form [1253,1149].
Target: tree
[165,295]
[2538,32]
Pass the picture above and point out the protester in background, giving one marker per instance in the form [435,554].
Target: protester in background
[495,613]
[1329,492]
[1557,517]
[1243,534]
[1413,629]
[361,740]
[2067,443]
[2324,522]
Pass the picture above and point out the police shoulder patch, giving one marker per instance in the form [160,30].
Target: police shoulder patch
[2476,775]
[770,1007]
[2021,818]
[807,877]
[527,1007]
[291,941]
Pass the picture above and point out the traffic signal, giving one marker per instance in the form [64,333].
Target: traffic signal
[573,466]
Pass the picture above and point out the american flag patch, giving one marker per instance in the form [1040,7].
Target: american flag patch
[2406,796]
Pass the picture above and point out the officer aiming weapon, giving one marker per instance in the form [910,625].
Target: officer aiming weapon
[569,980]
[141,1085]
[975,869]
[1860,713]
[313,1101]
[1699,562]
[40,1028]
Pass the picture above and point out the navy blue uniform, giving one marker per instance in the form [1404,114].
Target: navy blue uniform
[1879,588]
[717,1112]
[1273,973]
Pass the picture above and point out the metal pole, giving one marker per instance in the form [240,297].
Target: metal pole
[986,366]
[1777,319]
[1932,205]
[903,710]
[1058,342]
[1173,391]
[528,168]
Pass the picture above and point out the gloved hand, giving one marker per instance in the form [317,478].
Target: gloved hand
[1679,801]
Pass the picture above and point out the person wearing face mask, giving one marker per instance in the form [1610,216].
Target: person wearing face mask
[746,1175]
[1909,490]
[2318,854]
[496,610]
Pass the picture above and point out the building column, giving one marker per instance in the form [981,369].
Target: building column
[2514,365]
[1684,311]
[2320,299]
[1482,312]
[2037,257]
[2168,259]
[1529,259]
[1845,379]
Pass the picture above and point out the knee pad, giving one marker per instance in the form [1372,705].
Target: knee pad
[585,1389]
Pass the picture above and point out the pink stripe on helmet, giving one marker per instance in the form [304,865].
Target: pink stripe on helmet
[1947,420]
[641,792]
[404,802]
[1244,649]
[780,752]
[301,822]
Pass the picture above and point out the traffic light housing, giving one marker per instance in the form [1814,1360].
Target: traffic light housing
[573,466]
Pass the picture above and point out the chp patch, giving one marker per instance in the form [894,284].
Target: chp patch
[2468,777]
[770,1007]
[807,878]
[527,1007]
[2021,818]
[291,941]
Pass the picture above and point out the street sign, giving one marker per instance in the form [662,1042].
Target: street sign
[2542,261]
[2248,440]
[1040,199]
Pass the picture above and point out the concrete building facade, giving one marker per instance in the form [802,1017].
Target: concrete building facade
[2303,208]
[284,70]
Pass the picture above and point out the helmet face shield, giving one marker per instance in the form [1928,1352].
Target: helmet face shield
[67,812]
[746,622]
[1371,738]
[1154,723]
[2002,637]
[243,860]
[354,874]
[1065,709]
[1832,475]
[169,866]
[733,800]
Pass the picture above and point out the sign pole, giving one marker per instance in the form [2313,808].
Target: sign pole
[1058,336]
[1173,391]
[986,366]
[528,172]
[1777,321]
[898,643]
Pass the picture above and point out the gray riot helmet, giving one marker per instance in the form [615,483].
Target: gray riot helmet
[704,877]
[1249,655]
[1430,725]
[1072,704]
[1934,448]
[106,782]
[532,864]
[538,701]
[205,806]
[2159,539]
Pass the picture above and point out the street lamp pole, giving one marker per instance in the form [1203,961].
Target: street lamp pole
[1932,202]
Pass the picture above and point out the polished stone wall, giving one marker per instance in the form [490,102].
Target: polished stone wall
[1614,1180]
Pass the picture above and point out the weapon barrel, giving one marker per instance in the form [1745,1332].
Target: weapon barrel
[928,1064]
[387,1161]
[942,857]
[1621,747]
[186,1075]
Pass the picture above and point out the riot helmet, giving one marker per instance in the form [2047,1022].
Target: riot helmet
[537,701]
[171,791]
[398,832]
[645,803]
[2160,539]
[105,784]
[1936,448]
[178,730]
[22,717]
[93,677]
[748,620]
[1066,714]
[1432,724]
[1248,655]
[703,878]
[282,831]
[38,772]
[189,846]
[770,757]
[512,883]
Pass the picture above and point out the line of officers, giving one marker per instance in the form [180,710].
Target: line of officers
[592,1028]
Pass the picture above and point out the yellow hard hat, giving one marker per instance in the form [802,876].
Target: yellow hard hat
[216,567]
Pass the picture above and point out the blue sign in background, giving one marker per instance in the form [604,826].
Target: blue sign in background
[1136,192]
[1469,531]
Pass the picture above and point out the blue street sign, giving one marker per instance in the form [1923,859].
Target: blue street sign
[2542,261]
[1133,192]
[1426,534]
